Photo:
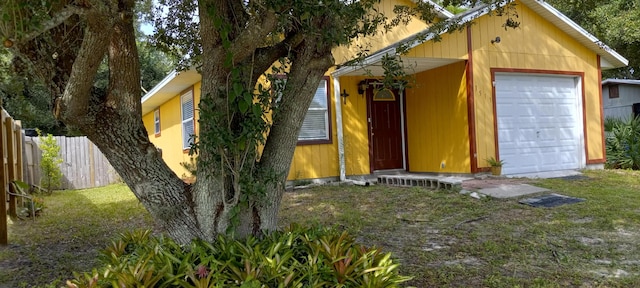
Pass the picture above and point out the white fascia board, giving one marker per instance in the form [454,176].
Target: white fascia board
[442,12]
[620,81]
[390,50]
[164,82]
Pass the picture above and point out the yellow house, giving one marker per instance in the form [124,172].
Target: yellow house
[529,96]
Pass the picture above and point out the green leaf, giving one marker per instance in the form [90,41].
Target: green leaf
[237,89]
[243,106]
[257,110]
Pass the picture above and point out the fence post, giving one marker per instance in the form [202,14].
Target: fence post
[3,181]
[19,147]
[11,159]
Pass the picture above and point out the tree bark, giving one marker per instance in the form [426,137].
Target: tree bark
[112,120]
[225,197]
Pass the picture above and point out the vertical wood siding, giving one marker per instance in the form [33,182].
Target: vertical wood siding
[437,124]
[356,135]
[381,40]
[536,45]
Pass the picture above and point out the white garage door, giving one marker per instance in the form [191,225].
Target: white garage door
[539,123]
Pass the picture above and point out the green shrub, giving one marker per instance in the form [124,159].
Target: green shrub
[623,144]
[50,162]
[296,257]
[611,122]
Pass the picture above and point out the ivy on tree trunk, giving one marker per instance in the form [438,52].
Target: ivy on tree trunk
[246,137]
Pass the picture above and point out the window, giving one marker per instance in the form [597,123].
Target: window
[156,121]
[614,92]
[316,127]
[188,126]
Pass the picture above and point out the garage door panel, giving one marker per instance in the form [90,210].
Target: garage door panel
[539,128]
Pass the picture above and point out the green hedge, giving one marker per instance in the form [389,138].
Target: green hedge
[296,257]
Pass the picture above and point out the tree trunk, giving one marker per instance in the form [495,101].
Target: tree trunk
[113,121]
[237,190]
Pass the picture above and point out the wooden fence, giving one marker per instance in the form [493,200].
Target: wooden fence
[11,155]
[83,164]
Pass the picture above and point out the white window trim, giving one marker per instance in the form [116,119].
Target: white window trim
[156,121]
[327,117]
[188,93]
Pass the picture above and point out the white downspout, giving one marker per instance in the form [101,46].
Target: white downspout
[402,126]
[338,101]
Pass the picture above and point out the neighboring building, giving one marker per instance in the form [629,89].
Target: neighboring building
[529,96]
[621,98]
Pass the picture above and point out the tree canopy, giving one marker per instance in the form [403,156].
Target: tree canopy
[615,22]
[27,98]
[246,136]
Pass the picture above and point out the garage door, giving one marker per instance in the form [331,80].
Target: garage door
[539,123]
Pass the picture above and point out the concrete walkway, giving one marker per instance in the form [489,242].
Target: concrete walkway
[511,190]
[512,186]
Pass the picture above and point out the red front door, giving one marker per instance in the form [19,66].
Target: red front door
[385,131]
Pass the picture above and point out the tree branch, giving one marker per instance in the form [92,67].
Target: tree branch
[308,67]
[239,13]
[59,18]
[124,65]
[266,56]
[253,36]
[73,106]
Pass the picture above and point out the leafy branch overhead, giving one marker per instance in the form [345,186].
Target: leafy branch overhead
[247,133]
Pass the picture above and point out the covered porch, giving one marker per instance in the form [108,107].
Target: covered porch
[423,128]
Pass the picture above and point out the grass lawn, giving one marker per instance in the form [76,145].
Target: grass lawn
[75,225]
[441,238]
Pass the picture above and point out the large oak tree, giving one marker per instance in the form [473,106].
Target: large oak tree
[233,43]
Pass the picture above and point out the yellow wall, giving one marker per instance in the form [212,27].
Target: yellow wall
[310,161]
[354,119]
[437,120]
[539,45]
[451,45]
[345,53]
[437,123]
[318,160]
[170,139]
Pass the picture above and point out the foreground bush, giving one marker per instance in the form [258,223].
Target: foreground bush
[623,143]
[296,257]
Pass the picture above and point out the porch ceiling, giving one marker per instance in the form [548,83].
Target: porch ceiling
[412,65]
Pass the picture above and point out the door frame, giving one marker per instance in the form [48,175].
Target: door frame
[580,101]
[371,83]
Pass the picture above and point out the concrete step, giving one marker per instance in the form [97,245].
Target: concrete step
[426,181]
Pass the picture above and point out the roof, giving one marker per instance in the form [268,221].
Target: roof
[441,11]
[169,87]
[620,81]
[178,81]
[609,58]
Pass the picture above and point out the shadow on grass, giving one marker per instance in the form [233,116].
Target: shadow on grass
[68,236]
